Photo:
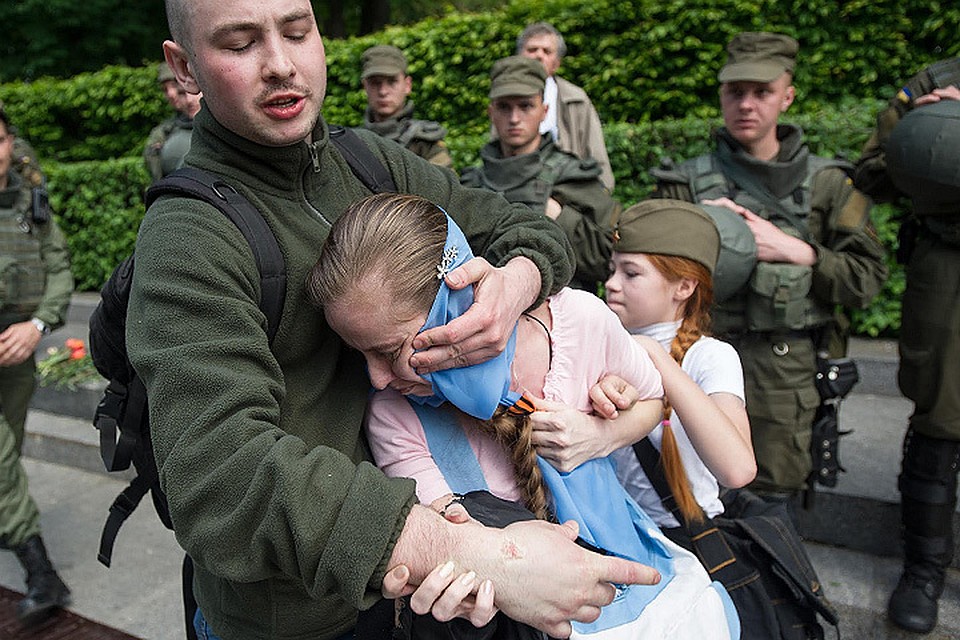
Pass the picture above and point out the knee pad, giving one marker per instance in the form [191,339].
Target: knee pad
[928,484]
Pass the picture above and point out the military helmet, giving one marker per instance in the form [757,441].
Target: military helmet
[923,157]
[738,252]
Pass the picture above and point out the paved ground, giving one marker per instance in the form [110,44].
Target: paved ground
[852,533]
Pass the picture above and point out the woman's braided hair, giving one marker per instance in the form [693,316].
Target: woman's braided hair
[515,433]
[695,323]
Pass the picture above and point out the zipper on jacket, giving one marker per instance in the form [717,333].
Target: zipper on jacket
[314,156]
[315,160]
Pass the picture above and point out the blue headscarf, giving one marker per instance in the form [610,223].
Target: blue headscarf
[479,388]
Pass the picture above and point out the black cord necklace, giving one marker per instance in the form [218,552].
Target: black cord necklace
[546,330]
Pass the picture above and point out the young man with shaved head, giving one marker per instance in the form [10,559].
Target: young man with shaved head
[259,445]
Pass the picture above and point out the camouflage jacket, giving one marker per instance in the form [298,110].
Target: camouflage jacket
[816,201]
[35,278]
[422,137]
[587,207]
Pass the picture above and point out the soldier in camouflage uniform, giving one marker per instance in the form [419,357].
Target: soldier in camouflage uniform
[929,343]
[35,287]
[390,114]
[177,127]
[527,166]
[816,249]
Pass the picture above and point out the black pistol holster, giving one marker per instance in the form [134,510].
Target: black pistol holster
[835,378]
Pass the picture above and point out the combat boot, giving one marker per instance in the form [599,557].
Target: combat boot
[928,489]
[46,592]
[914,603]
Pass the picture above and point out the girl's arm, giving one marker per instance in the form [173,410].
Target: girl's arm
[716,424]
[399,446]
[567,437]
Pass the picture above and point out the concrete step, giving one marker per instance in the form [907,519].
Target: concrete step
[140,593]
[852,532]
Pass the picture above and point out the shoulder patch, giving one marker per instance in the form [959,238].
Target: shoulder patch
[855,212]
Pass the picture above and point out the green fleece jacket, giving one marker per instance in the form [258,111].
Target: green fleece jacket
[260,451]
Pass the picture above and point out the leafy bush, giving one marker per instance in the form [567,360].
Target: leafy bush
[639,60]
[99,207]
[649,66]
[92,116]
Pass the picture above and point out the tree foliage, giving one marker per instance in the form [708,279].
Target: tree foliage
[61,38]
[650,67]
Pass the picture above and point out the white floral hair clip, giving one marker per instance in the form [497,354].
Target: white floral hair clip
[449,257]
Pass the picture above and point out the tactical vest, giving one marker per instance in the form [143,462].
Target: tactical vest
[425,130]
[778,296]
[22,275]
[533,193]
[175,148]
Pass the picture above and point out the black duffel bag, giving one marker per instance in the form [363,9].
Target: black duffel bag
[754,550]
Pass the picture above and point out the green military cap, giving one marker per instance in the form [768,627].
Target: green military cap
[759,57]
[383,60]
[517,76]
[668,227]
[165,73]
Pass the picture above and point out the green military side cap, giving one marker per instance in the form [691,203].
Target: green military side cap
[165,73]
[517,76]
[759,57]
[668,227]
[383,60]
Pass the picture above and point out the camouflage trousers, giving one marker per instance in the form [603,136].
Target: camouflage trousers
[930,338]
[782,400]
[19,517]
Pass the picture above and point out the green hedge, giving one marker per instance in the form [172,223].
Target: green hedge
[100,203]
[99,206]
[649,65]
[639,61]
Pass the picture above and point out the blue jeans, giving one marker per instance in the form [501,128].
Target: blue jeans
[204,632]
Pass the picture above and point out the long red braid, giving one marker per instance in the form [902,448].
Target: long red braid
[695,323]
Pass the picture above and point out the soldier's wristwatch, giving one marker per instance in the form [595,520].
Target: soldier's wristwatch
[41,326]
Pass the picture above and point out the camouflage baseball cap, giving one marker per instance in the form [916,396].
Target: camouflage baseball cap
[517,76]
[383,60]
[668,227]
[759,57]
[165,73]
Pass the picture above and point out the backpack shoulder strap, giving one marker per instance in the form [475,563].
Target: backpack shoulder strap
[649,459]
[202,185]
[366,166]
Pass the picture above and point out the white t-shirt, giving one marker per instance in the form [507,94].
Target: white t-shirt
[715,367]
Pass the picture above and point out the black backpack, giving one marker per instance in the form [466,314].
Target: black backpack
[122,415]
[754,550]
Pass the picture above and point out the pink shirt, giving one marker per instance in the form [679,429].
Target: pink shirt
[588,342]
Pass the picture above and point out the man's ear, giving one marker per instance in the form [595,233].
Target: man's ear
[788,97]
[179,62]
